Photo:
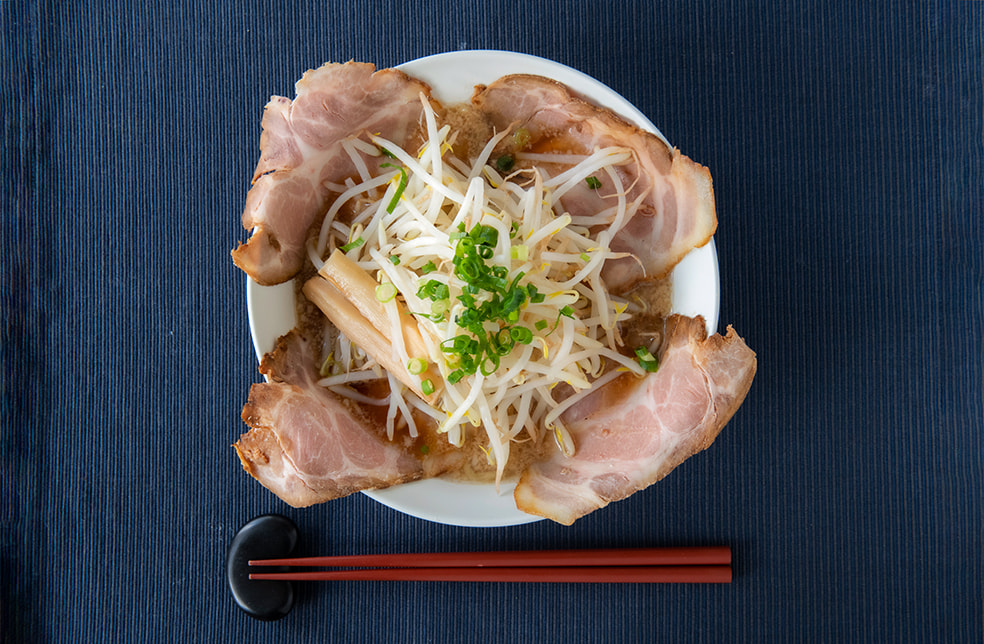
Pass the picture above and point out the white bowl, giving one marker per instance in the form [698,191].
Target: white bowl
[696,290]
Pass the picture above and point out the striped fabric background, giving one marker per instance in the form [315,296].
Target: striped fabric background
[846,143]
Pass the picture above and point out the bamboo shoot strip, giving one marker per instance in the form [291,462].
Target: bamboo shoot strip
[344,315]
[359,288]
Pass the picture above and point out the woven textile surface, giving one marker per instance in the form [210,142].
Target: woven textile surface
[846,144]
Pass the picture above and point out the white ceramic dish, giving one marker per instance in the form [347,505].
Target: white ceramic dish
[452,77]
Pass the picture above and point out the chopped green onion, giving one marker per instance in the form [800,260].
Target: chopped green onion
[504,163]
[493,362]
[646,359]
[485,235]
[493,300]
[521,334]
[355,243]
[386,152]
[385,292]
[395,260]
[503,342]
[469,270]
[564,311]
[520,252]
[427,387]
[399,188]
[434,290]
[513,300]
[417,366]
[428,268]
[585,257]
[455,376]
[458,343]
[439,308]
[593,182]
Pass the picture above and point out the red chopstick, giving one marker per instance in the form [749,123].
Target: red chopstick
[682,556]
[572,574]
[632,565]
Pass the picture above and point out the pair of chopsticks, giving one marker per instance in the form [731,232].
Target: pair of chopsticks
[695,565]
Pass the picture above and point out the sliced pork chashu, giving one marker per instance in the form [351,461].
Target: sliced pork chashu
[308,445]
[301,156]
[634,431]
[677,210]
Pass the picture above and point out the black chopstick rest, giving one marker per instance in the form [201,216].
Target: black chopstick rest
[265,537]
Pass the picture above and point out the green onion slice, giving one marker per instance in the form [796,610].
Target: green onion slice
[385,292]
[355,243]
[417,366]
[439,308]
[505,163]
[399,188]
[646,359]
[521,334]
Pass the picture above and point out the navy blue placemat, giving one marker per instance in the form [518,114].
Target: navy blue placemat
[845,143]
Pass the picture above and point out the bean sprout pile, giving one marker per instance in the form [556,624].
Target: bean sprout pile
[504,286]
